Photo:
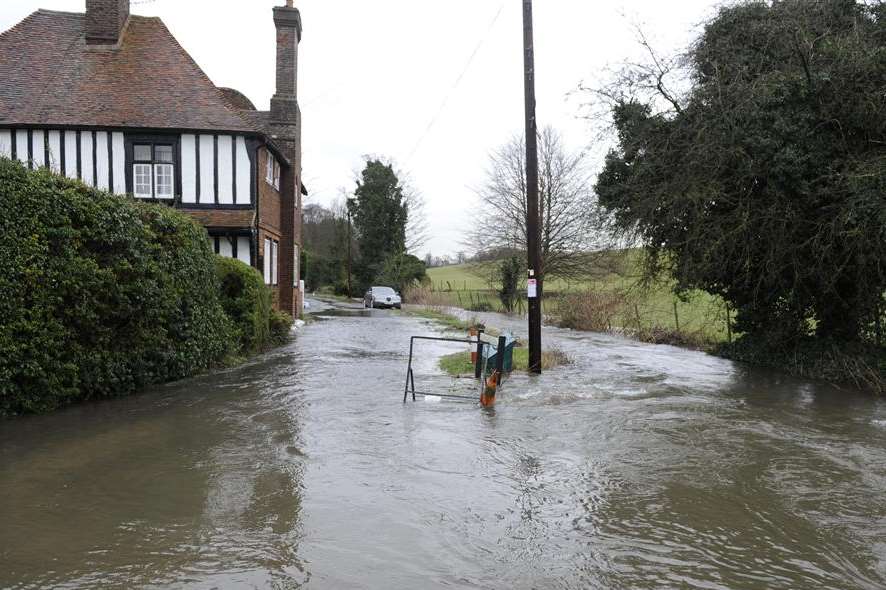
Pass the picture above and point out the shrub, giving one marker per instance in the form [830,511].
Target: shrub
[426,296]
[401,271]
[591,311]
[671,336]
[511,269]
[247,301]
[99,295]
[280,325]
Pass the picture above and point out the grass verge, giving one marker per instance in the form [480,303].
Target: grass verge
[450,322]
[459,363]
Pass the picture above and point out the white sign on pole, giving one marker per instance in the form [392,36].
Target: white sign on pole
[532,288]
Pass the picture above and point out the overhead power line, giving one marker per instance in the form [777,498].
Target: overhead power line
[457,82]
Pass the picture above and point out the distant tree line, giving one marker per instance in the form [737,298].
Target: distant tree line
[365,240]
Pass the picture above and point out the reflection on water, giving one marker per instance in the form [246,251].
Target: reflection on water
[635,467]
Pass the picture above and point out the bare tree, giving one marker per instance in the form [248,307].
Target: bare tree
[568,210]
[416,221]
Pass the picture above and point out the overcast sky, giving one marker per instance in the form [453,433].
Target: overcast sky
[389,77]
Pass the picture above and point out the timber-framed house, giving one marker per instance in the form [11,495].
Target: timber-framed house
[112,99]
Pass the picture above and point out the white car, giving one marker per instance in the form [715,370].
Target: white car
[381,297]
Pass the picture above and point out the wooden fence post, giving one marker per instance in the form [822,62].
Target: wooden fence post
[878,324]
[728,323]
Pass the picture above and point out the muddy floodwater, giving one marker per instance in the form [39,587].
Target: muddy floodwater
[635,467]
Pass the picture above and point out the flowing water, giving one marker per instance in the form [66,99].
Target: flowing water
[635,467]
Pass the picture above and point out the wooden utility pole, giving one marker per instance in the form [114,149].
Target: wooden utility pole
[348,206]
[535,274]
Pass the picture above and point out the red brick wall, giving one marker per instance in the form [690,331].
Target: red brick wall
[268,197]
[260,260]
[238,218]
[271,223]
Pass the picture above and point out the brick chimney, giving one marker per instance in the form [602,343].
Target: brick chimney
[285,126]
[288,22]
[105,20]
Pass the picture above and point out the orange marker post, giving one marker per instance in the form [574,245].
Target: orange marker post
[487,398]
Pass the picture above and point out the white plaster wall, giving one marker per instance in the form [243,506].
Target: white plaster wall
[207,170]
[119,155]
[71,154]
[86,158]
[225,171]
[102,169]
[243,173]
[55,151]
[243,249]
[189,168]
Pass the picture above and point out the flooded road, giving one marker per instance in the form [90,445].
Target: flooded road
[635,467]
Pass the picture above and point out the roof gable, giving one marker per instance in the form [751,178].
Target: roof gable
[51,77]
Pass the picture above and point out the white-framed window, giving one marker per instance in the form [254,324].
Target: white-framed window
[267,257]
[275,259]
[141,181]
[272,171]
[153,171]
[272,261]
[296,270]
[163,182]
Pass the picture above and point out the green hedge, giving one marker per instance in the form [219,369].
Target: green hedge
[247,301]
[99,295]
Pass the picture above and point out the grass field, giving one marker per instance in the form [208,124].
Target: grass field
[643,309]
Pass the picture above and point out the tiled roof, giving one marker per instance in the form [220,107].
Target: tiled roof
[49,76]
[237,99]
[260,120]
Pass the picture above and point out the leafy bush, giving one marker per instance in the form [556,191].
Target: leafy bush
[99,295]
[247,301]
[325,273]
[511,270]
[591,310]
[280,325]
[426,296]
[401,271]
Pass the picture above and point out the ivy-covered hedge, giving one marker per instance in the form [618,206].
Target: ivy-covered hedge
[247,301]
[99,295]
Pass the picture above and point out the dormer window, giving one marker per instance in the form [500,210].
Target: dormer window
[153,171]
[272,172]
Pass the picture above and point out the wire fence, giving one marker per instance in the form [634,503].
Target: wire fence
[652,314]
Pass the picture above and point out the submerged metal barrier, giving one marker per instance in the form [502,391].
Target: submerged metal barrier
[479,365]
